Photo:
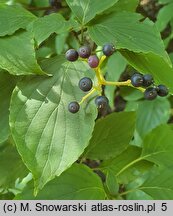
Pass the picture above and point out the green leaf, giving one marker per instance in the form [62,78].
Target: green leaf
[17,54]
[158,146]
[159,186]
[137,139]
[22,1]
[44,52]
[111,183]
[49,137]
[123,28]
[77,183]
[123,5]
[11,166]
[122,168]
[14,18]
[43,27]
[7,196]
[164,16]
[131,105]
[130,94]
[41,3]
[138,195]
[60,43]
[7,84]
[111,135]
[114,73]
[131,189]
[150,114]
[164,1]
[130,36]
[86,10]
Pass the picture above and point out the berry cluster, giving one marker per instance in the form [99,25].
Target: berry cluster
[85,53]
[100,101]
[147,81]
[86,84]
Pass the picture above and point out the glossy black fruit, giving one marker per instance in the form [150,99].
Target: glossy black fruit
[85,84]
[108,49]
[71,55]
[137,80]
[84,51]
[150,93]
[73,107]
[162,90]
[93,61]
[101,101]
[147,80]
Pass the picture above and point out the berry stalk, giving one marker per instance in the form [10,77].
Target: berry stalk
[87,95]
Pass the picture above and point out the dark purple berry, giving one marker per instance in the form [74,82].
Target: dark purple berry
[85,84]
[101,101]
[84,51]
[147,80]
[71,55]
[93,61]
[73,107]
[162,90]
[150,93]
[108,49]
[137,80]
